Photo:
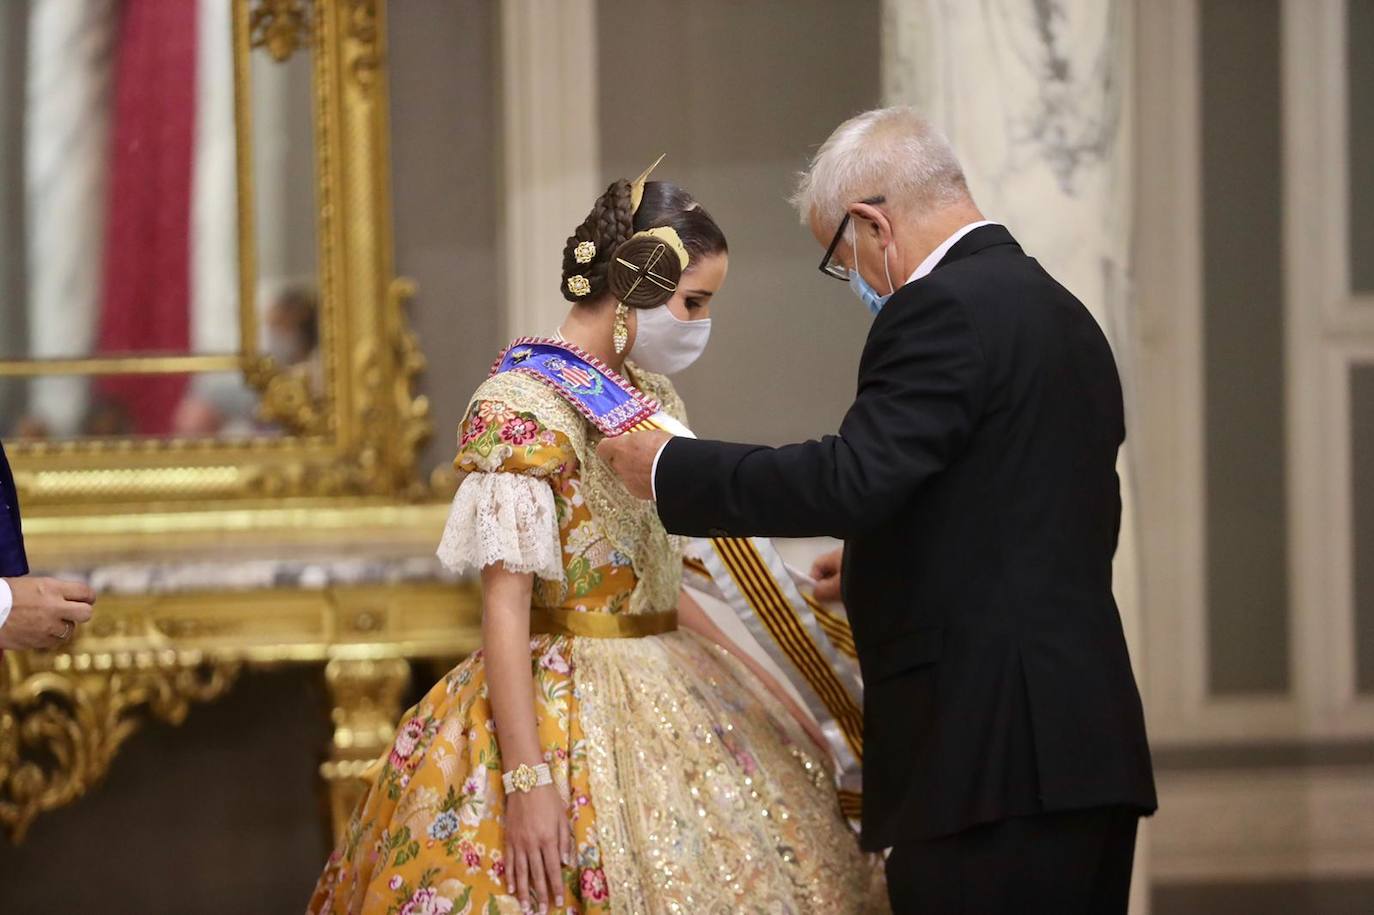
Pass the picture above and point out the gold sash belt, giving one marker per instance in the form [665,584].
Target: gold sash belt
[551,621]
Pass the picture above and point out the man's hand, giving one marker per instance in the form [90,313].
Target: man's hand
[826,572]
[45,613]
[631,456]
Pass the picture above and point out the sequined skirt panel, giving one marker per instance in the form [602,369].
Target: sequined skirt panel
[708,797]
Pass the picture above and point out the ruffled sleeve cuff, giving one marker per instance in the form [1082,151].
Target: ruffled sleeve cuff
[508,518]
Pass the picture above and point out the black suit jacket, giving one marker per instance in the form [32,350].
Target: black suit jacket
[12,559]
[974,483]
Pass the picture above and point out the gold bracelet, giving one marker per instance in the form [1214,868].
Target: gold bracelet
[525,778]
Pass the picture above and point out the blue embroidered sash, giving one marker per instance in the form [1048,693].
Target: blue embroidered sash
[607,400]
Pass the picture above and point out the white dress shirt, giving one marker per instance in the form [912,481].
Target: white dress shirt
[933,258]
[6,601]
[927,265]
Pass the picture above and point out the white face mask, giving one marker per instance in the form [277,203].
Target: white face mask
[665,343]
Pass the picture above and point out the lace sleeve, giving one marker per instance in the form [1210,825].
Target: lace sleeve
[503,517]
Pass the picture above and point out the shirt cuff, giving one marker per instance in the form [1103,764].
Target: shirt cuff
[653,471]
[6,601]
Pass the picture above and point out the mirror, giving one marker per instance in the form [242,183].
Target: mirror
[142,154]
[198,305]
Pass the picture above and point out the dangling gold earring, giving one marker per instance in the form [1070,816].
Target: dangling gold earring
[621,335]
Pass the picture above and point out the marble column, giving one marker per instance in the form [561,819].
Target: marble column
[70,44]
[550,155]
[1036,96]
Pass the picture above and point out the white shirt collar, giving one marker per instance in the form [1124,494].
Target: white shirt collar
[934,258]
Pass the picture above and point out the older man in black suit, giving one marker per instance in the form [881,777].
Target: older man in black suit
[973,482]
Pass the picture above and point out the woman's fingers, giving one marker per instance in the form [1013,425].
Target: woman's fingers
[539,890]
[510,870]
[552,856]
[522,879]
[565,843]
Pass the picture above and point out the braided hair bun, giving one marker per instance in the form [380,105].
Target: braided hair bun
[607,226]
[644,272]
[606,237]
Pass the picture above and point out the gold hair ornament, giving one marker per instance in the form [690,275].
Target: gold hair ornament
[647,272]
[620,336]
[668,235]
[637,185]
[584,252]
[579,285]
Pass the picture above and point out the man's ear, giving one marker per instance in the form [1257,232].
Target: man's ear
[869,218]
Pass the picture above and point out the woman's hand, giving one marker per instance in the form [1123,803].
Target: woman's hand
[826,572]
[538,845]
[537,833]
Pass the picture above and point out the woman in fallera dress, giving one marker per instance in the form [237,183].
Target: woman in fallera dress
[608,750]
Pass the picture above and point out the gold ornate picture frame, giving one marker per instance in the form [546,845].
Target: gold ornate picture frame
[357,443]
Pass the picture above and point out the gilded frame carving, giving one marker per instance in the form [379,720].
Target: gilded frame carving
[359,443]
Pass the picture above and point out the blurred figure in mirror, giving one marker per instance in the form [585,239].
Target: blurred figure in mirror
[31,429]
[34,612]
[196,417]
[292,330]
[107,418]
[218,405]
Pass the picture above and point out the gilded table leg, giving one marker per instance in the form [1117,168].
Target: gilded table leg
[366,698]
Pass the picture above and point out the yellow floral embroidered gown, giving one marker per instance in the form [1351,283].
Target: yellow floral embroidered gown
[690,788]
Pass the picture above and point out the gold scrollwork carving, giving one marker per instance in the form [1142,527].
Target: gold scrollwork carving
[361,27]
[59,731]
[287,397]
[366,696]
[280,26]
[411,409]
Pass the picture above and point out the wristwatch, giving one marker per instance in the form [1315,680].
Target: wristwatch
[525,778]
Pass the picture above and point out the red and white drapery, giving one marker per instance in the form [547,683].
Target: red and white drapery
[146,290]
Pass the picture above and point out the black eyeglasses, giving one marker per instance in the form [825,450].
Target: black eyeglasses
[831,267]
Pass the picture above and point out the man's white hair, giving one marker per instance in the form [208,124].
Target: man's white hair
[892,153]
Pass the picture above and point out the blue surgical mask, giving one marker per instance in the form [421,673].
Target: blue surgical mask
[866,293]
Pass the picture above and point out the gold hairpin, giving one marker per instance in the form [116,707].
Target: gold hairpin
[647,272]
[584,252]
[637,185]
[579,285]
[668,235]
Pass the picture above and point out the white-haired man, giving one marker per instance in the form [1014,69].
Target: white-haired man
[973,482]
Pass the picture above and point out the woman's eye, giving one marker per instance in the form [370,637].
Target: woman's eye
[693,304]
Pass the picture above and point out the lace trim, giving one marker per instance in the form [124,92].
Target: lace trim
[507,518]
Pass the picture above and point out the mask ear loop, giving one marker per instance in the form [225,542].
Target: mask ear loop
[854,250]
